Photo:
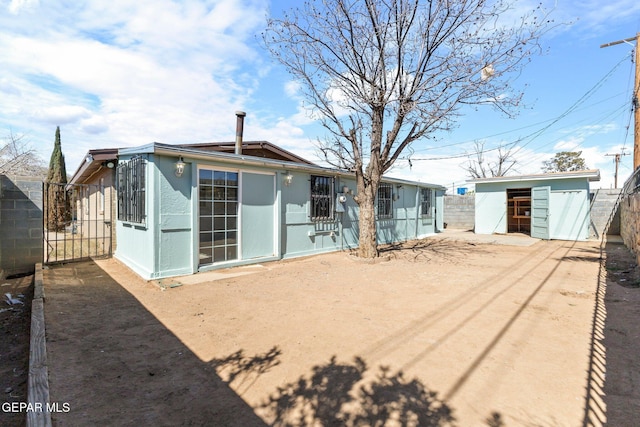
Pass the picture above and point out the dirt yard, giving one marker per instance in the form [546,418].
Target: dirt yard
[15,322]
[438,333]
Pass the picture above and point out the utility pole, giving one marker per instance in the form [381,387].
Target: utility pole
[617,160]
[635,103]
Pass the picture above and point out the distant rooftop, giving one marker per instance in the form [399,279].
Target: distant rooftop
[251,148]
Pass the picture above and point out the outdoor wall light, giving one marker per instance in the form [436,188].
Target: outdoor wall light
[346,190]
[180,167]
[288,179]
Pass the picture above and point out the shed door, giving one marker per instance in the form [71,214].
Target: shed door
[540,197]
[258,215]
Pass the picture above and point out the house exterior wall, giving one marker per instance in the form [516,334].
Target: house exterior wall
[568,207]
[171,203]
[136,241]
[274,218]
[258,215]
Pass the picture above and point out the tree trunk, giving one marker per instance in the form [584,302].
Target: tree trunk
[366,199]
[368,182]
[368,247]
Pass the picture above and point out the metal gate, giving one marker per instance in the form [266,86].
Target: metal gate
[77,222]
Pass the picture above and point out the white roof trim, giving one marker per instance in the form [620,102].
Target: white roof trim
[591,175]
[166,149]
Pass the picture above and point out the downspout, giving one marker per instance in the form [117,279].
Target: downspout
[239,130]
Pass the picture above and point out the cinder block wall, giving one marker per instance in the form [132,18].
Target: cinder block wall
[460,211]
[630,222]
[21,244]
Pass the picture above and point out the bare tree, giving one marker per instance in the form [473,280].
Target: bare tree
[17,158]
[382,74]
[479,167]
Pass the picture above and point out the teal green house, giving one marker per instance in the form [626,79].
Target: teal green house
[545,206]
[182,209]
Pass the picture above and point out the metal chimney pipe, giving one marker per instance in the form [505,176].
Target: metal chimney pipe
[239,130]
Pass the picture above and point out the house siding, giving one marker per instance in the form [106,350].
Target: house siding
[173,208]
[258,215]
[136,241]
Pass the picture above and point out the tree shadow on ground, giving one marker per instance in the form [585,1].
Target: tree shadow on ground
[495,420]
[612,392]
[246,369]
[338,394]
[431,248]
[586,254]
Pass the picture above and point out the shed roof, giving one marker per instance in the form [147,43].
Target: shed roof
[590,174]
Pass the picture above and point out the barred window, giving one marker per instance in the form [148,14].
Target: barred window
[131,190]
[385,201]
[321,197]
[425,202]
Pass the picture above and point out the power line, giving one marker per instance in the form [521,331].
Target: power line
[636,87]
[513,130]
[534,135]
[617,161]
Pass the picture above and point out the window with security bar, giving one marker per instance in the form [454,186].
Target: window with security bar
[426,202]
[131,190]
[322,195]
[384,208]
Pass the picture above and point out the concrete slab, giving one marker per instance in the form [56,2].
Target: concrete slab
[511,239]
[210,276]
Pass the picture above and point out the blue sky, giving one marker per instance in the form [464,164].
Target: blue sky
[119,73]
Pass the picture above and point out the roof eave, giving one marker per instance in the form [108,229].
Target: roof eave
[166,149]
[592,175]
[92,162]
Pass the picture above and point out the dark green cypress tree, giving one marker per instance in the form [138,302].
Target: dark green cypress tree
[58,206]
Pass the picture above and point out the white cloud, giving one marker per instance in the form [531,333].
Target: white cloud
[588,19]
[8,87]
[570,144]
[17,6]
[292,89]
[596,13]
[128,72]
[60,115]
[94,125]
